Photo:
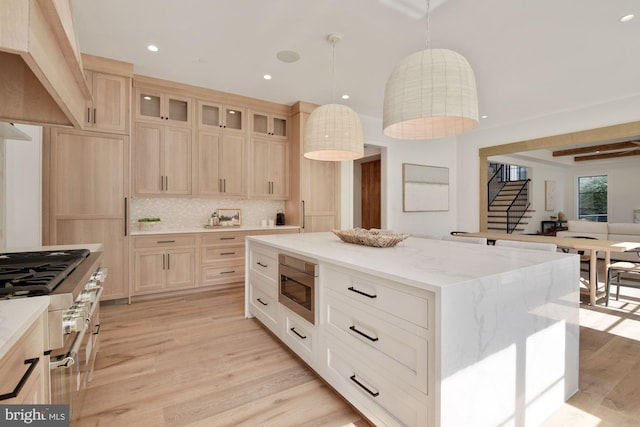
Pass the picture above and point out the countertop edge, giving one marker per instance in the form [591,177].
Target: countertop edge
[221,229]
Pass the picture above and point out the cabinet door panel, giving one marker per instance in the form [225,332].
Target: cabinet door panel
[89,174]
[260,168]
[231,158]
[279,167]
[147,168]
[208,171]
[177,160]
[149,270]
[109,232]
[110,99]
[181,268]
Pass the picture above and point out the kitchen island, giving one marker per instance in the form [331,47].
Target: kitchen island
[430,332]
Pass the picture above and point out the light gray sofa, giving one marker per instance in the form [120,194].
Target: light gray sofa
[616,231]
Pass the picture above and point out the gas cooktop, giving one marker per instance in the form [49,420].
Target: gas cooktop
[36,273]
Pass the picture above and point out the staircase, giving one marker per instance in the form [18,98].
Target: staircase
[497,214]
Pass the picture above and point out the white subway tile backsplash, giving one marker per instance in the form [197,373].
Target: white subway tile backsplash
[187,213]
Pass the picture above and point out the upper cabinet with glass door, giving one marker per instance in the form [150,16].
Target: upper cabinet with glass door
[212,116]
[156,106]
[267,124]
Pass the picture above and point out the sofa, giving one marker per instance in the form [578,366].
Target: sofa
[616,231]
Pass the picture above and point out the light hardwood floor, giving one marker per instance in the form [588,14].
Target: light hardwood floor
[195,361]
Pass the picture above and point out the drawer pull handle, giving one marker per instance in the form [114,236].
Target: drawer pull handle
[304,337]
[166,241]
[365,388]
[227,253]
[262,265]
[228,272]
[354,329]
[262,302]
[352,289]
[227,238]
[16,391]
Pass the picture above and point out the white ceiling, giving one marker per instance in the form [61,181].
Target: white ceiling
[531,58]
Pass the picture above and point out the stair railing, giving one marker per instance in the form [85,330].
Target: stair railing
[496,183]
[518,207]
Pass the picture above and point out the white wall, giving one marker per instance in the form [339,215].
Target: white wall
[23,191]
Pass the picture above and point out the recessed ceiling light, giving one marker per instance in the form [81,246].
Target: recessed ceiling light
[288,56]
[345,96]
[627,18]
[267,76]
[152,48]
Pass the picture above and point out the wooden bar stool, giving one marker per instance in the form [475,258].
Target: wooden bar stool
[620,268]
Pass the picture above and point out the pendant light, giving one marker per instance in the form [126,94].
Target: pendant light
[430,94]
[333,132]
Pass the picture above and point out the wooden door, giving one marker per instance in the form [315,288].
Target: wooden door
[208,170]
[279,169]
[110,102]
[321,195]
[260,168]
[88,185]
[231,164]
[148,169]
[177,160]
[181,268]
[371,194]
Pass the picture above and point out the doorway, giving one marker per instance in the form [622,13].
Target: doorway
[367,189]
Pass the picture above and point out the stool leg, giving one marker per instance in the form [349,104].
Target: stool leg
[606,289]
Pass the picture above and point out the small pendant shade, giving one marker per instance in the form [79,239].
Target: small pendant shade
[333,132]
[430,94]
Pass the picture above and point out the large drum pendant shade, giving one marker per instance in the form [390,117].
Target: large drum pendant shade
[333,132]
[430,94]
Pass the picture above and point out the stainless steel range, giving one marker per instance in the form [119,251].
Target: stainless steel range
[72,279]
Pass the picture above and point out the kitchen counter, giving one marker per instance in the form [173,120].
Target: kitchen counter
[135,232]
[16,316]
[498,327]
[93,247]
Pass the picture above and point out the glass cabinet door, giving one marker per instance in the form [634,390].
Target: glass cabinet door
[149,105]
[233,118]
[178,110]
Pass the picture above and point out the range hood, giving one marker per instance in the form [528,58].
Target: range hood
[40,64]
[9,131]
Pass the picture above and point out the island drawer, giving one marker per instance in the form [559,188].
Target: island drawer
[400,347]
[399,300]
[371,392]
[264,307]
[298,334]
[263,262]
[164,241]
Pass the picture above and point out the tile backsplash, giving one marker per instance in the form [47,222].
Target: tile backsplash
[187,213]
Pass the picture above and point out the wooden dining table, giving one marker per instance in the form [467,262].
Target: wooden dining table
[592,245]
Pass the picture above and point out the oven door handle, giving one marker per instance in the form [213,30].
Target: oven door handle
[69,357]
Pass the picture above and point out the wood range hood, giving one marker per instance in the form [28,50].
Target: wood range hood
[41,76]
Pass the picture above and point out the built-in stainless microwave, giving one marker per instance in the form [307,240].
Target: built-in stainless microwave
[297,286]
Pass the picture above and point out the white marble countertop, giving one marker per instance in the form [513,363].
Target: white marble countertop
[211,230]
[426,263]
[16,316]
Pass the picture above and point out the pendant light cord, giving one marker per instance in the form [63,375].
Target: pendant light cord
[428,26]
[333,68]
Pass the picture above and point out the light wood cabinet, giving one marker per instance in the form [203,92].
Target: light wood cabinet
[162,160]
[314,202]
[161,107]
[270,169]
[164,263]
[85,192]
[270,125]
[216,116]
[108,111]
[25,362]
[222,258]
[221,164]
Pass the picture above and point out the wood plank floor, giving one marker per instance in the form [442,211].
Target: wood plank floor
[195,361]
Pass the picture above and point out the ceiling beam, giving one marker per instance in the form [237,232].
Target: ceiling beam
[597,148]
[608,155]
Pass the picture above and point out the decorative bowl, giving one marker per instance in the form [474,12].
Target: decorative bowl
[373,238]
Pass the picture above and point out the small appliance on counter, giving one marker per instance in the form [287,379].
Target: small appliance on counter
[280,217]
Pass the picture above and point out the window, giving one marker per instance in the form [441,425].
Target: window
[592,198]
